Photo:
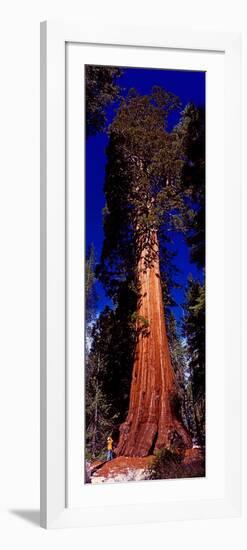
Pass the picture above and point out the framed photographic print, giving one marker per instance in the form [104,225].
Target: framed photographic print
[140,253]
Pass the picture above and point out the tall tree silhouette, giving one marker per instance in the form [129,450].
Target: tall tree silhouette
[191,131]
[194,330]
[192,135]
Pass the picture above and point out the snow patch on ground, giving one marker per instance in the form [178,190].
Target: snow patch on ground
[130,475]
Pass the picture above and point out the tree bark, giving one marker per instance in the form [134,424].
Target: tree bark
[151,423]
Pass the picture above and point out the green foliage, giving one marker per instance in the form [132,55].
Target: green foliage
[98,423]
[191,132]
[194,331]
[140,319]
[114,339]
[176,348]
[142,186]
[169,464]
[181,356]
[179,363]
[108,374]
[90,293]
[101,91]
[190,410]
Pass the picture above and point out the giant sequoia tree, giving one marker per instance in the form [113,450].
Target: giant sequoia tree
[144,200]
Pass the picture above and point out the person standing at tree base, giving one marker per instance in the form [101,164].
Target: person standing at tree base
[109,448]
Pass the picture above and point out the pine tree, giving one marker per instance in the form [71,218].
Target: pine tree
[191,132]
[144,200]
[90,294]
[194,330]
[98,422]
[108,376]
[101,91]
[98,407]
[179,364]
[96,403]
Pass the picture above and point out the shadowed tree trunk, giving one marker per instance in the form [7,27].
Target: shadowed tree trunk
[152,422]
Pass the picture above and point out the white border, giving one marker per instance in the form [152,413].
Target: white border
[213,63]
[53,380]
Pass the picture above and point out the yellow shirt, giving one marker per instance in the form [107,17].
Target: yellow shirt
[109,444]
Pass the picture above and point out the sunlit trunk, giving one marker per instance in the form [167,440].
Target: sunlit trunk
[151,423]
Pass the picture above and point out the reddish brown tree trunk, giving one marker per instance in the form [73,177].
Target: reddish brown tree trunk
[151,423]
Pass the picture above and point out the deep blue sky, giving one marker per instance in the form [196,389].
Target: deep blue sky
[189,86]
